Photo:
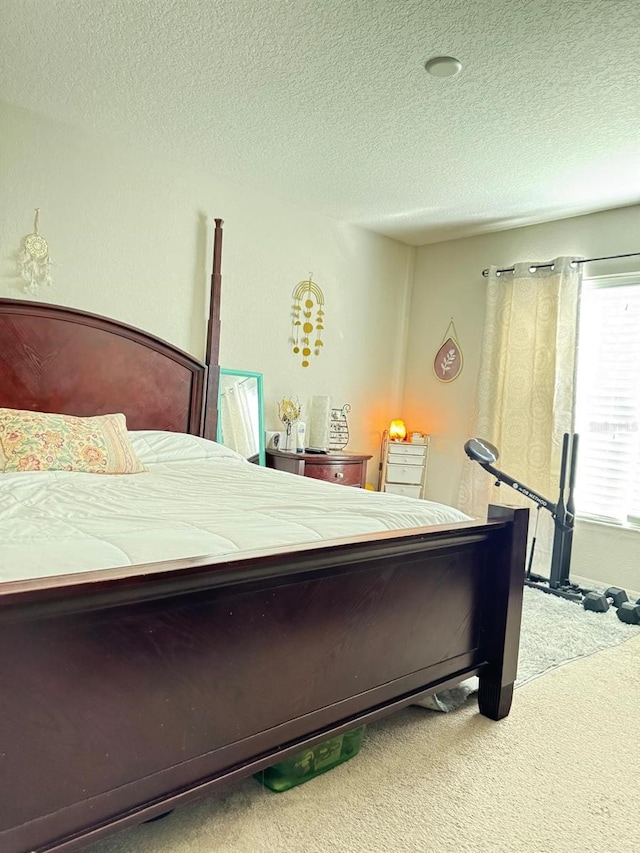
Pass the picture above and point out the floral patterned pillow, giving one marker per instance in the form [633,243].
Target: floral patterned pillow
[34,441]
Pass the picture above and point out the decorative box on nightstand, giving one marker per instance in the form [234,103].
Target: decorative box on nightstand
[348,469]
[403,467]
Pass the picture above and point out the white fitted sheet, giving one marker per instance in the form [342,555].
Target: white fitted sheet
[197,498]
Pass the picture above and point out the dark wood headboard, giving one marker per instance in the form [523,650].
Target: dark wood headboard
[57,359]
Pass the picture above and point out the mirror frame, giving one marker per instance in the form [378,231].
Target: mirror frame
[258,377]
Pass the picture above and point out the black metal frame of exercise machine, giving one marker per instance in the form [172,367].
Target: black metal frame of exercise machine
[558,583]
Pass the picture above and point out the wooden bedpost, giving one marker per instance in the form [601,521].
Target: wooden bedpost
[504,591]
[210,418]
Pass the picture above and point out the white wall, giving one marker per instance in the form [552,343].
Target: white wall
[131,234]
[449,283]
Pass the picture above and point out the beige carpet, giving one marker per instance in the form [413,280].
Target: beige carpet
[560,774]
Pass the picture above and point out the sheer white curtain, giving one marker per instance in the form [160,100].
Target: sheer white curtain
[525,391]
[238,410]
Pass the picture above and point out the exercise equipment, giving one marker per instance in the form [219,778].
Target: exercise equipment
[616,595]
[558,583]
[600,601]
[629,613]
[596,602]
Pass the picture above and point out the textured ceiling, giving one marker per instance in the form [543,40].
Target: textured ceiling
[326,102]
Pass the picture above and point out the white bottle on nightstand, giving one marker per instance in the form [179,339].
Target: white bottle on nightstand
[301,435]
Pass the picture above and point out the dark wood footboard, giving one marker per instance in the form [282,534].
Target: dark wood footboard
[123,695]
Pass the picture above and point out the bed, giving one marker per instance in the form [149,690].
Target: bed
[131,685]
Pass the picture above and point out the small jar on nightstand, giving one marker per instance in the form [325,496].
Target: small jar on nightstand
[347,469]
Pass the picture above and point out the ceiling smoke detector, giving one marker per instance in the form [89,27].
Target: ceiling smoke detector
[443,66]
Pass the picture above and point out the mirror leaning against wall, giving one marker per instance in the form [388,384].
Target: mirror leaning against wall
[240,413]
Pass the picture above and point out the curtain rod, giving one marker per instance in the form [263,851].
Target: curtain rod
[577,261]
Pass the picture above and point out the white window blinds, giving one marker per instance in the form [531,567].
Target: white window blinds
[608,400]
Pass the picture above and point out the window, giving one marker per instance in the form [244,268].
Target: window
[608,400]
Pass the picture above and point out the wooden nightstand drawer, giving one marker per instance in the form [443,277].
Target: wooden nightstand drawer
[345,473]
[347,469]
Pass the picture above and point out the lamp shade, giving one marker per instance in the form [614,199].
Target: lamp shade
[397,430]
[319,419]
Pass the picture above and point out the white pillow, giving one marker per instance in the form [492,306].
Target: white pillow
[153,447]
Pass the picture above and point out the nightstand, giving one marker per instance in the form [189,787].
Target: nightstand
[347,469]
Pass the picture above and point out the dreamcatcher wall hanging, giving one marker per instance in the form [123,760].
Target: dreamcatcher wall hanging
[447,365]
[308,320]
[35,263]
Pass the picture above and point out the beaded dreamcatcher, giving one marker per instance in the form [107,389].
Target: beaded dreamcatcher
[35,263]
[308,299]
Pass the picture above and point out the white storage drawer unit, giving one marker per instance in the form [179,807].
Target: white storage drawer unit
[399,489]
[413,454]
[403,467]
[404,473]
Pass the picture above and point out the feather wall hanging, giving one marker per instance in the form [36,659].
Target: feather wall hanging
[35,263]
[308,299]
[447,365]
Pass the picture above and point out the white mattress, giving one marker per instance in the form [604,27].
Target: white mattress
[197,498]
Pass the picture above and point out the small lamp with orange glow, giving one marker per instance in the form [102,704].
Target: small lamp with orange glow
[397,430]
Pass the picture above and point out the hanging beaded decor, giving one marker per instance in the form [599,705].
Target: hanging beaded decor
[308,299]
[35,263]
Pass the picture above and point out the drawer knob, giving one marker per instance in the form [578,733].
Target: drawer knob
[339,475]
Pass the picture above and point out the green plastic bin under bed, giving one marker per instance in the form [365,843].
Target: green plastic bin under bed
[312,762]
